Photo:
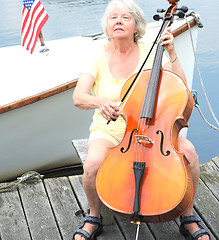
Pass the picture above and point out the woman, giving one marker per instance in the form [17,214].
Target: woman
[112,65]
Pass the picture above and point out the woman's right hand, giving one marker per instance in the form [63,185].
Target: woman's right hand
[83,99]
[108,109]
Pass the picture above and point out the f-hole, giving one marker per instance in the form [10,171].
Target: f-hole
[161,144]
[130,140]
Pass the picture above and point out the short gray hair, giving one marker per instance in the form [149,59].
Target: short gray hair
[134,9]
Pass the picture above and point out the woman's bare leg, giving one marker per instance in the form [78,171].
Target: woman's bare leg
[97,151]
[188,149]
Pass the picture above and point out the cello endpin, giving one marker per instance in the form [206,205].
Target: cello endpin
[137,232]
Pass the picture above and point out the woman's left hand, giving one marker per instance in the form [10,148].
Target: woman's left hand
[167,40]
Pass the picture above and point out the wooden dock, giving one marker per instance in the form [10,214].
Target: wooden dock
[52,209]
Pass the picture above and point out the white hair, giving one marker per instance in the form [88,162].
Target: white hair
[134,9]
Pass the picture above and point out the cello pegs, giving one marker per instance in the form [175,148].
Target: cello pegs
[180,14]
[160,10]
[183,9]
[157,17]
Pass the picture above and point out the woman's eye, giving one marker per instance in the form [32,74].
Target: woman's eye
[113,17]
[126,17]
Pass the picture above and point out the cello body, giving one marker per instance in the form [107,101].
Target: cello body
[165,188]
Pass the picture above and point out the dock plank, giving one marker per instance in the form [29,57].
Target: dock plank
[80,146]
[41,221]
[111,232]
[216,160]
[64,205]
[129,230]
[80,194]
[166,230]
[13,223]
[207,207]
[210,176]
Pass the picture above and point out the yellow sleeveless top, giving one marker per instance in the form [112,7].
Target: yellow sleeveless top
[107,86]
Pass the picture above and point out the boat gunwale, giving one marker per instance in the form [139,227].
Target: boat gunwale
[40,96]
[71,84]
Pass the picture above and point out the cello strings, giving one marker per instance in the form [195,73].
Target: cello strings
[122,104]
[143,125]
[156,42]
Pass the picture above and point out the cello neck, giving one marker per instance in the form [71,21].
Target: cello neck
[151,93]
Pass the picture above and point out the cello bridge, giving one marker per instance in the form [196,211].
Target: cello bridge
[140,138]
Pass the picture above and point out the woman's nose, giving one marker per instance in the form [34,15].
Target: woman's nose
[119,20]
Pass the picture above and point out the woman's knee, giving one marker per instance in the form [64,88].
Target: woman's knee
[91,166]
[188,149]
[97,152]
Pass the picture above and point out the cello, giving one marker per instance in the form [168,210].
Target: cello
[145,178]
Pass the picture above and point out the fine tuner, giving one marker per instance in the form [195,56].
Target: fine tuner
[180,13]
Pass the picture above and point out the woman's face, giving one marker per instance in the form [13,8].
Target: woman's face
[121,24]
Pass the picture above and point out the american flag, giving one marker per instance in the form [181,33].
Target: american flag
[34,16]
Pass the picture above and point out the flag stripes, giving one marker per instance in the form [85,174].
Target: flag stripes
[34,16]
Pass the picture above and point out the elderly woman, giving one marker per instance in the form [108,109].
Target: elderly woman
[110,67]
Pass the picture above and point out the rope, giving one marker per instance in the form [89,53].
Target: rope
[194,94]
[28,177]
[200,77]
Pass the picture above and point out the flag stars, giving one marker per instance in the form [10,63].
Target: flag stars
[28,3]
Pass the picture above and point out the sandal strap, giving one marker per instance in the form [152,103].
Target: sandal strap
[189,219]
[83,233]
[200,233]
[193,219]
[93,220]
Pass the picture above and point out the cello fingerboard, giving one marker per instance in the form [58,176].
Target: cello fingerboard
[152,89]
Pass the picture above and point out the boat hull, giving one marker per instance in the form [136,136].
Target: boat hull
[38,120]
[38,136]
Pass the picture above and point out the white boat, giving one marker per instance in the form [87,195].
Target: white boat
[37,118]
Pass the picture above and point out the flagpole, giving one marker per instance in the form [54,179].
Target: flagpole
[41,39]
[44,49]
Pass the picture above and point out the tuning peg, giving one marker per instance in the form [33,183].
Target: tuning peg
[180,14]
[183,9]
[160,10]
[157,17]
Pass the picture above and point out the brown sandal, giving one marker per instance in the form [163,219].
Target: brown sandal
[186,233]
[96,232]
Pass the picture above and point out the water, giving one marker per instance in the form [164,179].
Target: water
[69,18]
